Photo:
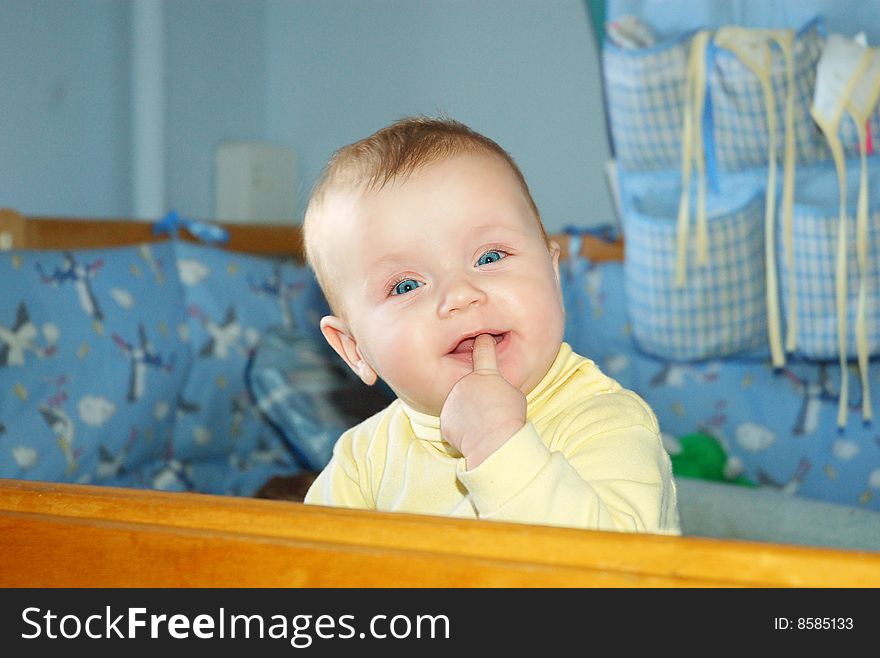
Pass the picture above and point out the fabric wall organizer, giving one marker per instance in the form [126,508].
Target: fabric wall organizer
[720,310]
[745,102]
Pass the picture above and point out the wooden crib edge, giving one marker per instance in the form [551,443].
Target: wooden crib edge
[69,535]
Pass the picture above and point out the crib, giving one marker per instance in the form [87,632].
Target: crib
[60,534]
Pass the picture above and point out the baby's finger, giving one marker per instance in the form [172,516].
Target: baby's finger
[484,353]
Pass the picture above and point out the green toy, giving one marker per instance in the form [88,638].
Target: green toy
[702,456]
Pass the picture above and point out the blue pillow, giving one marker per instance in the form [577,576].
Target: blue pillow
[91,363]
[221,442]
[308,394]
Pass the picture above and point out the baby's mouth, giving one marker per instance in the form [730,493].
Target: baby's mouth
[466,346]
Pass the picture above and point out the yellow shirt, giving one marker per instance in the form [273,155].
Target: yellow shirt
[589,456]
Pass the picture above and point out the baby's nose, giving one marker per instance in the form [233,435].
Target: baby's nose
[460,295]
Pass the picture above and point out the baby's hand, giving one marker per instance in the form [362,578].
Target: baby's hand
[483,410]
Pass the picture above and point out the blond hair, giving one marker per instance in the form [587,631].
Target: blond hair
[393,154]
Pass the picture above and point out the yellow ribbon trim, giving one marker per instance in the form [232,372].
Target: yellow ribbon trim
[861,115]
[692,149]
[830,126]
[752,47]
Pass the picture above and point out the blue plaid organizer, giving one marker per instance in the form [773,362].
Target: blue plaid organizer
[721,310]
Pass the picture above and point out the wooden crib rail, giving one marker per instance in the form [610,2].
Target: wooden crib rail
[20,232]
[66,535]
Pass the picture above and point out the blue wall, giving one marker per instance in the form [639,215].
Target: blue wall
[525,73]
[216,91]
[313,75]
[310,74]
[64,99]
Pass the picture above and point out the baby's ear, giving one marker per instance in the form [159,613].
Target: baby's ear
[338,335]
[555,250]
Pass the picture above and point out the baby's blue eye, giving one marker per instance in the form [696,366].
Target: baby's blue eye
[490,257]
[405,286]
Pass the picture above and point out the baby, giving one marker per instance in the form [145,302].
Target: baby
[443,283]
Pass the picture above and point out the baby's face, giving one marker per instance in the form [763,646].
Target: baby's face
[424,265]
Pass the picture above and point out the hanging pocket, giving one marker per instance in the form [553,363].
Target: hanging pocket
[737,102]
[644,89]
[813,273]
[721,309]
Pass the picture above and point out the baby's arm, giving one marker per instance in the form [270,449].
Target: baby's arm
[483,410]
[338,484]
[616,477]
[604,467]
